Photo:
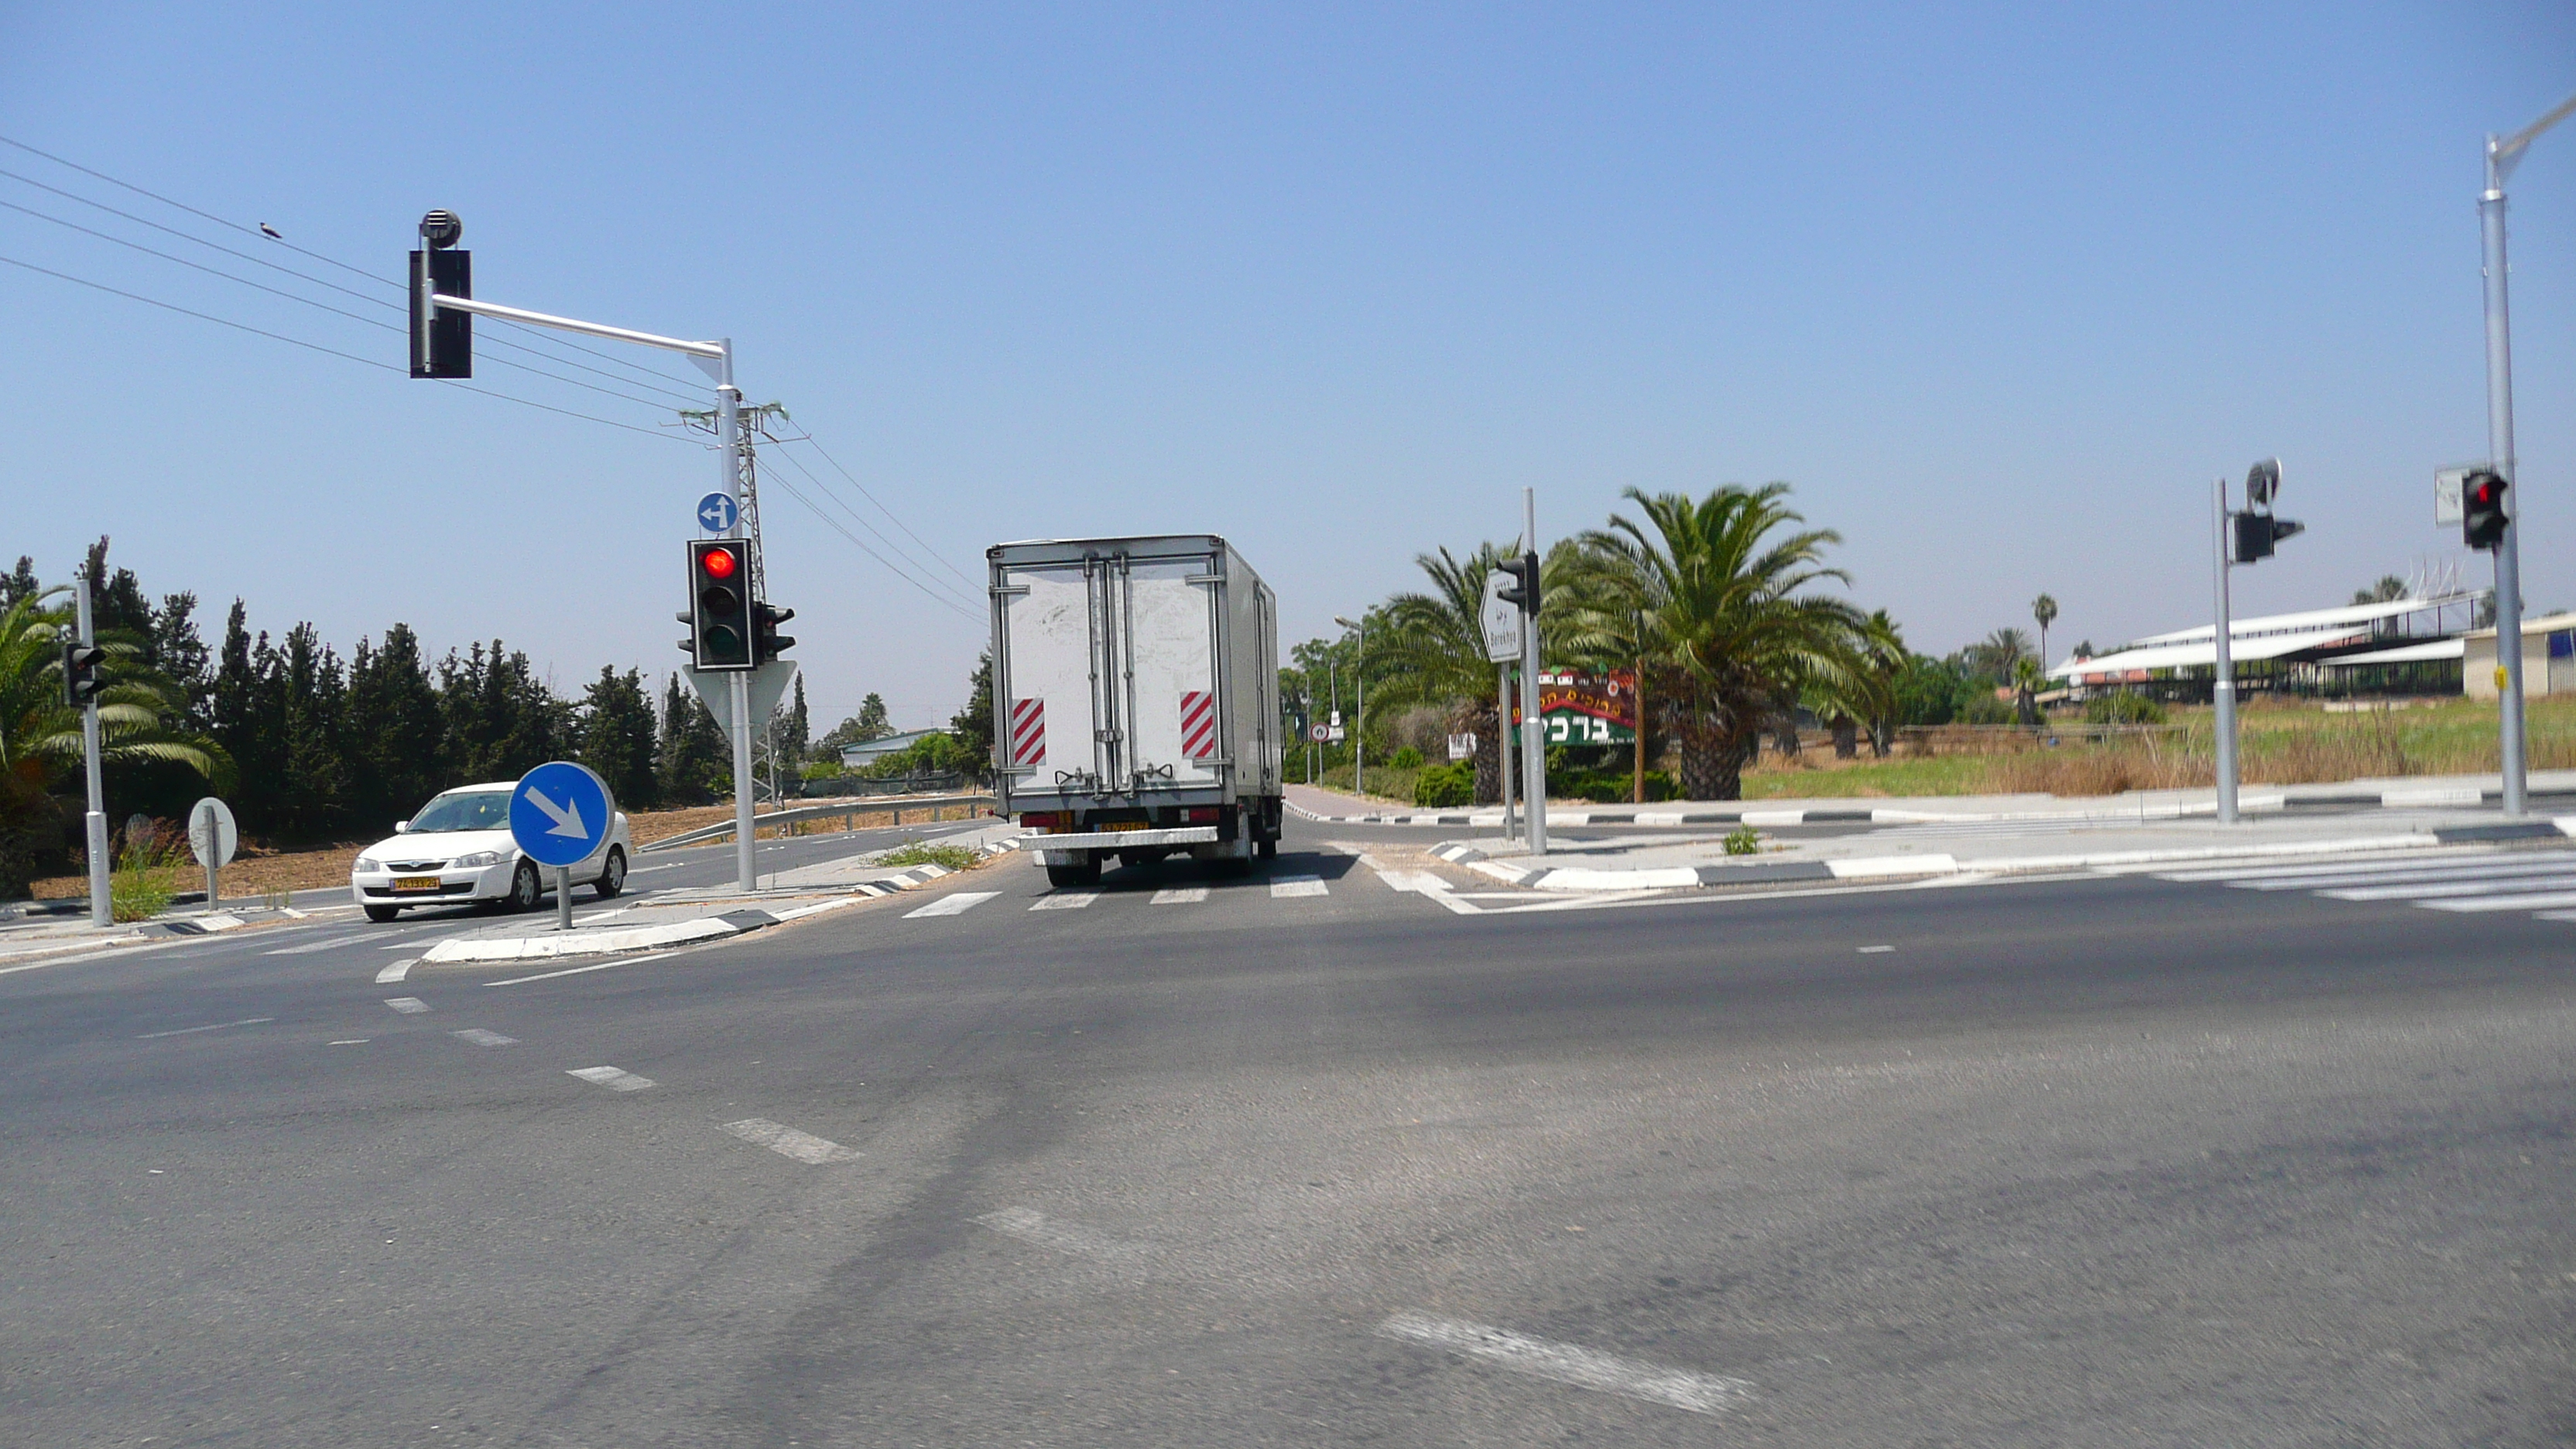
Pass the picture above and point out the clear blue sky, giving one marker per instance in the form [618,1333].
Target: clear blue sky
[1998,290]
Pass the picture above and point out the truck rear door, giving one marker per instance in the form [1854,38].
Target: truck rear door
[1112,679]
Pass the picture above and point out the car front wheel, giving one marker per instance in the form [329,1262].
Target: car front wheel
[381,914]
[612,876]
[526,888]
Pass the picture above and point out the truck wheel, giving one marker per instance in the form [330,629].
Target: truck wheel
[1064,876]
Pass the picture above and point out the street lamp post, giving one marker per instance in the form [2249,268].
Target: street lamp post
[1359,711]
[2502,155]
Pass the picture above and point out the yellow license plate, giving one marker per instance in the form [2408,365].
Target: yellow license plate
[1128,825]
[416,882]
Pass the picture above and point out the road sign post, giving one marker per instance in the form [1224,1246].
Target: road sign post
[560,815]
[717,513]
[212,838]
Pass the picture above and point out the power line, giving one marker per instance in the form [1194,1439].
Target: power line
[818,482]
[888,512]
[794,492]
[315,346]
[184,236]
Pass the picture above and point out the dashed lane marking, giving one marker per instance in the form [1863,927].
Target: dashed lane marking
[1567,1363]
[312,946]
[1177,896]
[1030,1226]
[1288,886]
[480,1037]
[1071,901]
[1876,950]
[582,970]
[407,1005]
[615,1079]
[396,971]
[957,904]
[788,1142]
[214,1026]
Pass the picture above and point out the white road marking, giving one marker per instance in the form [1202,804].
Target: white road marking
[1035,1227]
[400,969]
[788,1142]
[1072,901]
[2553,900]
[407,1005]
[1176,896]
[1882,950]
[578,970]
[217,1026]
[2433,890]
[1568,1364]
[613,1078]
[480,1037]
[312,946]
[1287,886]
[353,1041]
[952,905]
[2458,870]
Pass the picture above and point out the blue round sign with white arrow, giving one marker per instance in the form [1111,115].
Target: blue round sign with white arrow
[717,513]
[560,813]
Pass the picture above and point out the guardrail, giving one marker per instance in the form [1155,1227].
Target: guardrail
[843,808]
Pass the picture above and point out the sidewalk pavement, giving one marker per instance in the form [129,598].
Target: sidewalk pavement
[1982,846]
[2414,792]
[32,938]
[668,922]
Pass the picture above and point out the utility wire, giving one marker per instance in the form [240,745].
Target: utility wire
[944,602]
[888,512]
[926,586]
[315,346]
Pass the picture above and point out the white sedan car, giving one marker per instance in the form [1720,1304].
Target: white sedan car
[458,850]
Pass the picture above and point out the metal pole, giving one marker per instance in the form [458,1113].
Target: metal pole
[101,912]
[1503,738]
[1637,698]
[1533,733]
[214,853]
[1359,717]
[729,449]
[2222,692]
[563,898]
[2508,554]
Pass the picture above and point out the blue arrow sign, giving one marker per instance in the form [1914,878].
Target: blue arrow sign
[717,513]
[560,813]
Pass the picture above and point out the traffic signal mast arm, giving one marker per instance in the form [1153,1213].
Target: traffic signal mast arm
[444,303]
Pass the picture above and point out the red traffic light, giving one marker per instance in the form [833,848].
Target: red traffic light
[718,562]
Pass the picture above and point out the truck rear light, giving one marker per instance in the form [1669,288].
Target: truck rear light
[1201,815]
[1047,819]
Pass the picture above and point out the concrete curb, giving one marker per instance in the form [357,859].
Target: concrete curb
[2430,795]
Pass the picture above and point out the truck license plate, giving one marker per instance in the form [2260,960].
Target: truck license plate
[416,882]
[1128,825]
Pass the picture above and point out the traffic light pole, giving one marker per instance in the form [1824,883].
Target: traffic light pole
[2222,690]
[101,909]
[1533,730]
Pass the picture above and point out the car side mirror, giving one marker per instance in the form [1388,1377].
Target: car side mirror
[401,825]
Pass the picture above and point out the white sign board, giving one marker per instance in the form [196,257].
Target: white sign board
[768,686]
[1462,747]
[212,835]
[2446,492]
[1502,620]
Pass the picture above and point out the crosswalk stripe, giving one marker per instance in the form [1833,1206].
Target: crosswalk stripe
[1072,902]
[1180,896]
[952,905]
[1288,886]
[2329,865]
[2466,870]
[2436,890]
[2555,900]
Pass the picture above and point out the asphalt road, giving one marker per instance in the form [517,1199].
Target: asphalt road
[2084,1161]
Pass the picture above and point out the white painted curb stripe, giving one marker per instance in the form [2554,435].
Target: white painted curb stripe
[952,905]
[1876,866]
[544,948]
[788,1142]
[1567,1364]
[402,968]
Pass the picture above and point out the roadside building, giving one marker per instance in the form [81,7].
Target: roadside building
[2402,646]
[2548,658]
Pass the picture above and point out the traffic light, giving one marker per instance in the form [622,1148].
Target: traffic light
[2482,515]
[1523,589]
[767,642]
[720,615]
[2257,532]
[81,682]
[441,346]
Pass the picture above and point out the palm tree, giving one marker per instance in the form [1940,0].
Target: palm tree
[40,734]
[2043,609]
[1994,657]
[1432,651]
[1712,592]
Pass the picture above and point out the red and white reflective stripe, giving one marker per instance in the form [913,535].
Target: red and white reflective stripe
[1198,724]
[1028,731]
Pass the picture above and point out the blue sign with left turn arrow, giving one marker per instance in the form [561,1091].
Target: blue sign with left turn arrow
[560,813]
[717,513]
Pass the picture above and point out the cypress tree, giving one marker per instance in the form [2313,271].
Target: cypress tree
[618,737]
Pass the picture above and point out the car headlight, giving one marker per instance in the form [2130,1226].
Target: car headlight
[480,857]
[365,866]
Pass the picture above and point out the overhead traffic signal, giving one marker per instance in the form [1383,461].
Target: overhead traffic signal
[81,681]
[720,612]
[2482,516]
[2256,533]
[767,642]
[1523,589]
[442,339]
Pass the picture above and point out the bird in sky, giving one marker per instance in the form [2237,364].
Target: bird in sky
[270,231]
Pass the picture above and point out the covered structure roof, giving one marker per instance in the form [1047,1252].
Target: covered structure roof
[2319,635]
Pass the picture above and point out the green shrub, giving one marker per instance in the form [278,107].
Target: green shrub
[2123,708]
[1744,840]
[1407,758]
[1982,708]
[1608,787]
[140,888]
[949,857]
[1444,786]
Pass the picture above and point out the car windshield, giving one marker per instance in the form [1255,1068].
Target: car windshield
[484,810]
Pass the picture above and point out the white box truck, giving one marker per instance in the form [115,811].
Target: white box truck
[1135,701]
